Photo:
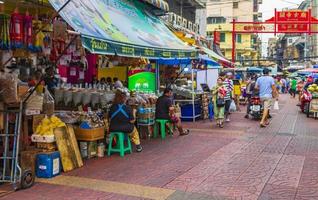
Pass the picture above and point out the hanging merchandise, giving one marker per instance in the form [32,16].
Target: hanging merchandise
[16,29]
[28,30]
[4,31]
[38,39]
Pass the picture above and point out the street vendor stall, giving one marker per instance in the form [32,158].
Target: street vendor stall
[183,77]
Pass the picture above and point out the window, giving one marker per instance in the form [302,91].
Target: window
[235,4]
[239,38]
[216,20]
[209,34]
[222,37]
[239,56]
[255,17]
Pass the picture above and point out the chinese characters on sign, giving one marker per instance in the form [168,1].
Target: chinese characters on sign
[289,16]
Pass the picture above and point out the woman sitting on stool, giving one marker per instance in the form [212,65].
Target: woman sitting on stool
[123,117]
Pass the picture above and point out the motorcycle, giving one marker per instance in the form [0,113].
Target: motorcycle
[256,108]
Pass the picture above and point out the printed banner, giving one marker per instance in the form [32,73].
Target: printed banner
[122,27]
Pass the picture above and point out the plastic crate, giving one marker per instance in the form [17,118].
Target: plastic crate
[48,165]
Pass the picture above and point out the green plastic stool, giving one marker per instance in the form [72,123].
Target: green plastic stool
[162,123]
[120,146]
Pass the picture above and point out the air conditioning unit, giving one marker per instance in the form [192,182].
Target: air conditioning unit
[184,23]
[179,20]
[190,26]
[195,28]
[172,18]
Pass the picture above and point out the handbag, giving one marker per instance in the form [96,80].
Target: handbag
[220,102]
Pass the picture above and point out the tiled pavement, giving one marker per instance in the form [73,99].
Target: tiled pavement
[241,161]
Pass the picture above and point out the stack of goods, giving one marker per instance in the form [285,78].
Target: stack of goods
[145,105]
[313,89]
[80,96]
[44,133]
[90,131]
[183,92]
[205,106]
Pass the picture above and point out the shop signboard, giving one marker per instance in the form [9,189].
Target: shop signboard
[143,80]
[101,46]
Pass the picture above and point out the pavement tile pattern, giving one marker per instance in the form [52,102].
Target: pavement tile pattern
[241,161]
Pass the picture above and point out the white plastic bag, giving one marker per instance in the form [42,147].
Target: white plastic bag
[232,107]
[276,106]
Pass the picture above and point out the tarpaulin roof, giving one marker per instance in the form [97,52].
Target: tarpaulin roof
[122,27]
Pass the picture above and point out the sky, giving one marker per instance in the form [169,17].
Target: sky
[267,8]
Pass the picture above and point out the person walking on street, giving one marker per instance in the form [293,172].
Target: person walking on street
[228,85]
[267,91]
[218,93]
[293,87]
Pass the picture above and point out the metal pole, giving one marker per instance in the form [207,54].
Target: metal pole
[233,41]
[193,107]
[305,47]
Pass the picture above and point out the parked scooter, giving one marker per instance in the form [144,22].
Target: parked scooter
[256,108]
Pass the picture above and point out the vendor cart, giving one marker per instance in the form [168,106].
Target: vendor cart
[313,107]
[10,170]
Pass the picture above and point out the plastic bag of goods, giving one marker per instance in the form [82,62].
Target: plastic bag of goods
[9,87]
[48,103]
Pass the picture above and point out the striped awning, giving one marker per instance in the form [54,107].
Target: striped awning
[161,4]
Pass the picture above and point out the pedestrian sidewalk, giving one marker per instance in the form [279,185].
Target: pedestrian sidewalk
[241,161]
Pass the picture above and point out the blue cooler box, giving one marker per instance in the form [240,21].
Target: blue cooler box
[187,111]
[48,165]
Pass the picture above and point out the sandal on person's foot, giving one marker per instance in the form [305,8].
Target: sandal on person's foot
[186,132]
[138,148]
[262,125]
[221,125]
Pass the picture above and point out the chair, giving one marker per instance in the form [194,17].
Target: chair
[162,123]
[120,146]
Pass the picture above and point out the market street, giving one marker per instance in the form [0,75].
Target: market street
[241,161]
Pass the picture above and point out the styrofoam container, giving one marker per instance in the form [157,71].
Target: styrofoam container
[43,138]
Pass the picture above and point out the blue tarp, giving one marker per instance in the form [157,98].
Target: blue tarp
[255,69]
[187,61]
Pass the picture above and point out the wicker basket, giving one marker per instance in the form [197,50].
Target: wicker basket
[90,134]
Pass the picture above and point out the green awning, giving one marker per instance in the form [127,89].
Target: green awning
[122,27]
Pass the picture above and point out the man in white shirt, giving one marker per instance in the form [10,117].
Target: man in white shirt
[117,83]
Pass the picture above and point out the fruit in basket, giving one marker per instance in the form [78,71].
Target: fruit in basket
[47,126]
[311,89]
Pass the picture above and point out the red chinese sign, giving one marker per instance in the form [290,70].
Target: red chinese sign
[292,27]
[290,22]
[283,16]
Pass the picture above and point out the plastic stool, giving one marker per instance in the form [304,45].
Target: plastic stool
[162,123]
[120,146]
